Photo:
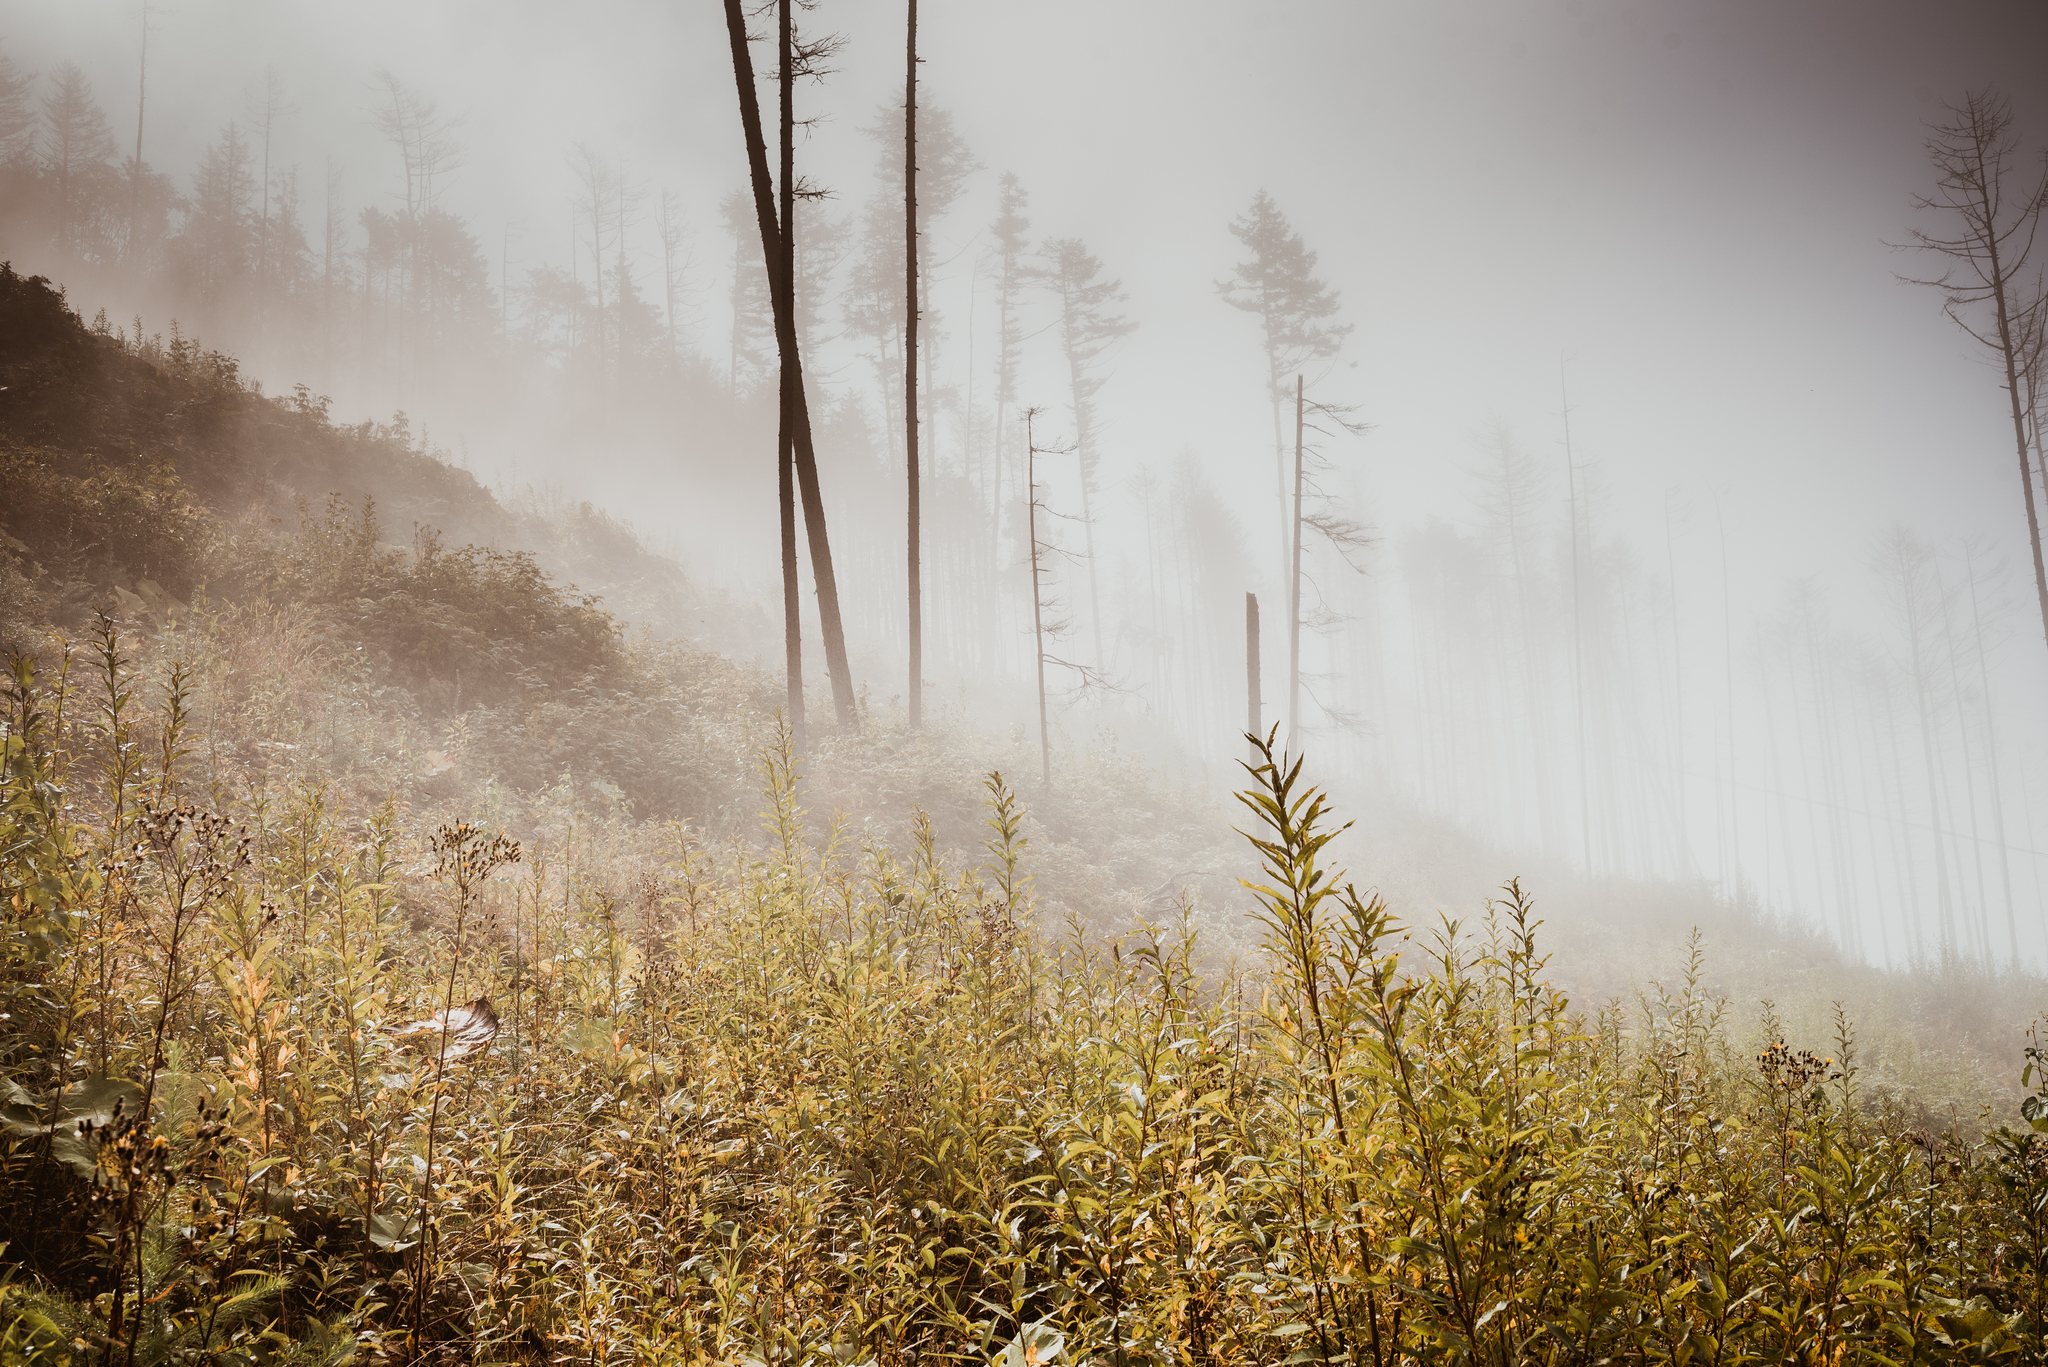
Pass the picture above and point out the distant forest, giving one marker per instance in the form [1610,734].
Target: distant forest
[1533,671]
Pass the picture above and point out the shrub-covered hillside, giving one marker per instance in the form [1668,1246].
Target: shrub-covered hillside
[355,610]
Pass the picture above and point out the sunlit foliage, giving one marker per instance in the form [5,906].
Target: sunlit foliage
[788,1100]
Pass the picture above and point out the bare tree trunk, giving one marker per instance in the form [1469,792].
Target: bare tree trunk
[785,446]
[1037,598]
[1571,474]
[1294,589]
[1924,706]
[1955,675]
[782,295]
[1728,663]
[916,694]
[1685,863]
[2012,929]
[1254,709]
[141,98]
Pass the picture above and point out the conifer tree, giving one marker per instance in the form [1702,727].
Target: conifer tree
[17,118]
[75,142]
[1088,325]
[1278,286]
[215,243]
[1012,273]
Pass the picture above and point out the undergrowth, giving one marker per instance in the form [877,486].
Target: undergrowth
[289,1078]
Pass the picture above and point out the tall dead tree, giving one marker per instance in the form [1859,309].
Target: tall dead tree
[1294,586]
[782,296]
[916,694]
[1037,587]
[785,436]
[1571,475]
[1991,746]
[1253,706]
[141,102]
[1973,149]
[1008,230]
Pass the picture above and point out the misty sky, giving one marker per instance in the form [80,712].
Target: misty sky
[1688,204]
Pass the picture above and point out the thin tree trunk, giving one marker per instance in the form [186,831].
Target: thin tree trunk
[141,98]
[1571,475]
[2012,929]
[1911,914]
[782,296]
[1728,661]
[1955,675]
[1254,709]
[785,446]
[1294,589]
[1677,696]
[1945,912]
[1037,599]
[916,694]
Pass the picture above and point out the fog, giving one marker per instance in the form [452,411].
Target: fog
[1766,624]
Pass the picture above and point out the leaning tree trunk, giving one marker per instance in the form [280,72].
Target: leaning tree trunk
[783,299]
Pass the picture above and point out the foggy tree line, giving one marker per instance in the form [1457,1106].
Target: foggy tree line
[1627,718]
[384,302]
[385,297]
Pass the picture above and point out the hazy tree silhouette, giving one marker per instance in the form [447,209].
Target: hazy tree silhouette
[17,116]
[1088,325]
[1013,271]
[74,142]
[753,323]
[1278,286]
[216,244]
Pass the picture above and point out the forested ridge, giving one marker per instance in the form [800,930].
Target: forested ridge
[405,961]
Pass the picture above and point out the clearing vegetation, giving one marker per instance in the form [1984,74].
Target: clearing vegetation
[290,1081]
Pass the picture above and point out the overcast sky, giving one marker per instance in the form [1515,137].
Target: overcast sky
[1688,206]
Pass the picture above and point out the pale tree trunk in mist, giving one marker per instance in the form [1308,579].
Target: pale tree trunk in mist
[1906,560]
[331,230]
[914,558]
[782,296]
[1868,794]
[1294,588]
[1037,596]
[1892,776]
[1253,708]
[1955,675]
[1009,231]
[1685,864]
[141,101]
[1571,470]
[2012,930]
[273,106]
[1734,872]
